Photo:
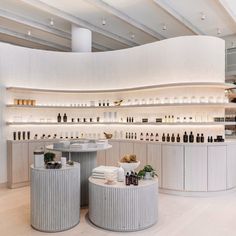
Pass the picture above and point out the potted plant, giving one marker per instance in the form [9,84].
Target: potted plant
[147,172]
[49,156]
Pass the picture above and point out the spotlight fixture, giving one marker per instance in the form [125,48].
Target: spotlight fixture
[218,31]
[203,16]
[132,35]
[51,22]
[29,33]
[104,21]
[164,27]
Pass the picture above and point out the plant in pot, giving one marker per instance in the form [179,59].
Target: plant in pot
[147,172]
[49,156]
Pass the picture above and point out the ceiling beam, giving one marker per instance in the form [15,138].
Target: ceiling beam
[34,24]
[227,8]
[33,39]
[114,11]
[178,16]
[101,47]
[78,21]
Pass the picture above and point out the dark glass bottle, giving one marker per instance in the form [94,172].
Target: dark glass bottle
[202,138]
[132,119]
[141,136]
[59,117]
[136,179]
[127,179]
[172,138]
[129,136]
[55,136]
[127,119]
[168,138]
[147,137]
[198,138]
[157,137]
[163,138]
[211,139]
[35,136]
[185,137]
[28,135]
[135,136]
[23,135]
[14,135]
[126,135]
[178,138]
[19,135]
[191,137]
[132,136]
[65,118]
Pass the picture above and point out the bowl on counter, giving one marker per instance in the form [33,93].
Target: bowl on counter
[129,166]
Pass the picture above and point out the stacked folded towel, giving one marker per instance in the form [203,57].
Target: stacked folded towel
[99,172]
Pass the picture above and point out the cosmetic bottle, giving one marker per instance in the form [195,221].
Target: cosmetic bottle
[98,119]
[28,135]
[185,137]
[132,136]
[178,138]
[169,119]
[43,136]
[172,119]
[198,138]
[59,117]
[127,179]
[147,137]
[136,179]
[135,136]
[19,135]
[191,137]
[55,136]
[202,138]
[49,136]
[141,136]
[126,135]
[132,119]
[163,138]
[65,118]
[151,137]
[35,137]
[172,138]
[211,139]
[23,135]
[14,135]
[168,138]
[127,119]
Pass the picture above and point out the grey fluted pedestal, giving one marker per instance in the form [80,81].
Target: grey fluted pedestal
[123,208]
[87,159]
[55,198]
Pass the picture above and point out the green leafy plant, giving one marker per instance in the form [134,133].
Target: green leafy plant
[149,169]
[49,156]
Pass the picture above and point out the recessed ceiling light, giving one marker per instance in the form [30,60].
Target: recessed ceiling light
[203,16]
[29,33]
[51,22]
[218,31]
[104,21]
[164,27]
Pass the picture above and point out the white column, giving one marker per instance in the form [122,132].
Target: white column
[81,39]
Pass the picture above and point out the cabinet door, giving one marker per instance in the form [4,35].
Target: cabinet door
[113,154]
[195,168]
[172,167]
[216,168]
[20,160]
[101,158]
[126,147]
[154,159]
[231,166]
[140,150]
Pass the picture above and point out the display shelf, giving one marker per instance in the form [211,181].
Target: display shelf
[226,105]
[172,85]
[120,123]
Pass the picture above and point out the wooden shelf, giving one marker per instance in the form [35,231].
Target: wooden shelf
[121,123]
[162,86]
[226,105]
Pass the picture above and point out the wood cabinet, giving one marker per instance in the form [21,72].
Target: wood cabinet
[216,168]
[195,168]
[18,164]
[172,167]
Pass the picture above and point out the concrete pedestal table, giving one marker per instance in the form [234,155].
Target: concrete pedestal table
[87,159]
[55,198]
[123,208]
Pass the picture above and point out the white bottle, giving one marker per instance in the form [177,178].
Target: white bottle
[121,174]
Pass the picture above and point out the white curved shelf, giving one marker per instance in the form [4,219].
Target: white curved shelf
[162,86]
[226,105]
[121,123]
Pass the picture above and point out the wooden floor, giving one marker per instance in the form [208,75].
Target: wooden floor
[182,216]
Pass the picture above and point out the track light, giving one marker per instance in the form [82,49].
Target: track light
[164,27]
[218,31]
[104,21]
[203,16]
[51,22]
[29,33]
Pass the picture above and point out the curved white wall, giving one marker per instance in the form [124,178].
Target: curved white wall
[176,60]
[182,59]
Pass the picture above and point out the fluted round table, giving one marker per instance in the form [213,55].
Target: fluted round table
[55,198]
[87,159]
[123,208]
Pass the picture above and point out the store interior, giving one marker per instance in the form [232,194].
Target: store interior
[117,117]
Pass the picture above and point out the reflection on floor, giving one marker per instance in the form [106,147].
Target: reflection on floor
[178,216]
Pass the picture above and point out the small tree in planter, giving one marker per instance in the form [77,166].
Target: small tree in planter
[49,156]
[147,172]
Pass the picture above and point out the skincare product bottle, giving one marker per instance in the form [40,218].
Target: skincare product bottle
[19,135]
[178,138]
[28,135]
[65,118]
[55,136]
[35,137]
[141,136]
[23,135]
[147,137]
[135,136]
[168,138]
[172,138]
[59,117]
[198,138]
[202,138]
[191,137]
[136,179]
[151,137]
[185,137]
[163,138]
[157,137]
[127,179]
[126,135]
[14,135]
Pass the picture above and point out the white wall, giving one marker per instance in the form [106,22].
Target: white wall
[182,59]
